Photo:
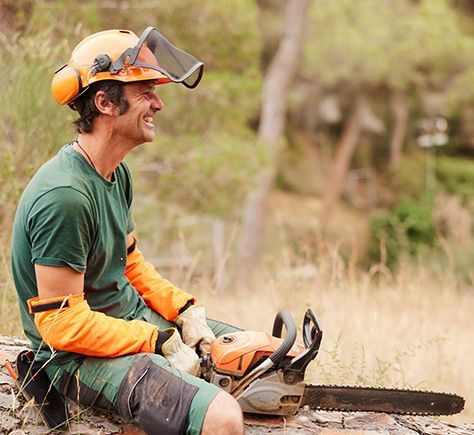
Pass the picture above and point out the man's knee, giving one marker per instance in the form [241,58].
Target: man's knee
[223,416]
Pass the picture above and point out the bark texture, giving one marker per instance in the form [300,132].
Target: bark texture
[281,72]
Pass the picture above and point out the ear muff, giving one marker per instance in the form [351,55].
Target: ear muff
[66,84]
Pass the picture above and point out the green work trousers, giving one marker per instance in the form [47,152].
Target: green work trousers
[143,387]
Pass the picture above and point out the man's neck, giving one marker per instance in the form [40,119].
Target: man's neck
[103,152]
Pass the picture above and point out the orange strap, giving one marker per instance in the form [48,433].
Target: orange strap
[74,327]
[159,294]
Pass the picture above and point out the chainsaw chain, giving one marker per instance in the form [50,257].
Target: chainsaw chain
[454,402]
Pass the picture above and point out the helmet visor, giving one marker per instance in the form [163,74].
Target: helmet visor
[156,52]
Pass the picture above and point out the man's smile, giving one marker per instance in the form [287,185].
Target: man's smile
[149,121]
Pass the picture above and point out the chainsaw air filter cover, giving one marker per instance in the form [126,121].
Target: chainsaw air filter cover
[237,353]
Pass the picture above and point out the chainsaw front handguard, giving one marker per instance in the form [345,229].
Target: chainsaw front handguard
[312,336]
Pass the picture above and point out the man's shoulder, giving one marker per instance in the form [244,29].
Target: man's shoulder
[55,181]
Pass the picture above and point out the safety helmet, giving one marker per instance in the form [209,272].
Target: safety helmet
[120,55]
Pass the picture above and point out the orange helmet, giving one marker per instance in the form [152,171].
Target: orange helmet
[120,55]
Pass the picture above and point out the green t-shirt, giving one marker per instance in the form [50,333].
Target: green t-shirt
[69,215]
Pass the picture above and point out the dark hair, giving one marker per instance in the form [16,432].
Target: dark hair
[87,109]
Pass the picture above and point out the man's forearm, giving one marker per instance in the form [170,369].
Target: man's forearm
[68,323]
[159,294]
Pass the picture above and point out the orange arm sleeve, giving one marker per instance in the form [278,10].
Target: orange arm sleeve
[159,294]
[67,323]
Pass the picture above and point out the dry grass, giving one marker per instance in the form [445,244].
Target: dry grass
[413,330]
[9,316]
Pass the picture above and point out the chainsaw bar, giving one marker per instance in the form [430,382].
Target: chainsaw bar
[392,401]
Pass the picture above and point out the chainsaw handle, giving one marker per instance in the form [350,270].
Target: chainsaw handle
[283,318]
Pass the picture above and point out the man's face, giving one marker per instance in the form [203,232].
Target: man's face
[136,124]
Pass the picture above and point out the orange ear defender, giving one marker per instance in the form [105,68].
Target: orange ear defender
[67,81]
[66,84]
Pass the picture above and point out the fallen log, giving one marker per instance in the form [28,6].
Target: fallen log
[17,416]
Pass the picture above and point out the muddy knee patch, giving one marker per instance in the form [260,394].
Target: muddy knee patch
[156,398]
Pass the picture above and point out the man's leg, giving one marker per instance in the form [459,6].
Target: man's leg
[223,417]
[145,388]
[220,328]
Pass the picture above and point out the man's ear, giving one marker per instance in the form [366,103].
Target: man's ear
[104,105]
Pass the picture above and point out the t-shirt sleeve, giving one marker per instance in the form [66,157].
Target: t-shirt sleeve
[61,228]
[131,221]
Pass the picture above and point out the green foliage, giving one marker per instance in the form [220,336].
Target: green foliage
[395,44]
[408,178]
[456,175]
[403,231]
[223,34]
[224,101]
[206,173]
[207,158]
[461,91]
[440,49]
[32,125]
[348,41]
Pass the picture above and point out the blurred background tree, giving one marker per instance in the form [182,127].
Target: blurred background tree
[350,226]
[368,72]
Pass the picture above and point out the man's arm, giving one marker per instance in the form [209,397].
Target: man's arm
[159,293]
[168,300]
[66,322]
[53,282]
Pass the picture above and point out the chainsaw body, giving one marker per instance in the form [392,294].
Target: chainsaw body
[264,372]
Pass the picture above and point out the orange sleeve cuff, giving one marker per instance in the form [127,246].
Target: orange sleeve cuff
[159,294]
[74,327]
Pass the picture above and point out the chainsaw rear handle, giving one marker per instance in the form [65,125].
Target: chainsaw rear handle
[283,318]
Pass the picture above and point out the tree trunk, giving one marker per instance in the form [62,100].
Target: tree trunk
[400,124]
[221,279]
[342,160]
[279,77]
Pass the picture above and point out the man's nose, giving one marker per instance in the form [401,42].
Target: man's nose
[157,104]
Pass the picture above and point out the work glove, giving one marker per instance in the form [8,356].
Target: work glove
[180,356]
[194,329]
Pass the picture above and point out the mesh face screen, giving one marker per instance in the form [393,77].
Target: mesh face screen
[156,52]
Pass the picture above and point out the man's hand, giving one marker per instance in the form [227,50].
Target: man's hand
[194,329]
[180,356]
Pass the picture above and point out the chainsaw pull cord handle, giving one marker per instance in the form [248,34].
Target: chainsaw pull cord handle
[283,318]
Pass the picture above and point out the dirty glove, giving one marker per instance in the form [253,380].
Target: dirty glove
[194,329]
[180,356]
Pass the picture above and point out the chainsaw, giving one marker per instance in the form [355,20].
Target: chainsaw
[265,373]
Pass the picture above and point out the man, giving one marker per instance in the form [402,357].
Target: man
[108,329]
